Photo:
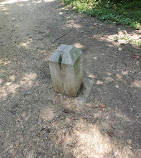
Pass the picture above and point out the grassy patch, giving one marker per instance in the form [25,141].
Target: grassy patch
[126,13]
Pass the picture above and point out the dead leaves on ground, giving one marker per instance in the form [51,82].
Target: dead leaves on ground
[102,106]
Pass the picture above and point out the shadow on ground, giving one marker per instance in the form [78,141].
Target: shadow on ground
[35,122]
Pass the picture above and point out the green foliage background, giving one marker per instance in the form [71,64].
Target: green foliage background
[123,12]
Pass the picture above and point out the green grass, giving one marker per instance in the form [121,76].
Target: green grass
[127,14]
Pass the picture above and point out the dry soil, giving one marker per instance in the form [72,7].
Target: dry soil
[37,123]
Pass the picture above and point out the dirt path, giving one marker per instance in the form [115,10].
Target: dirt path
[35,122]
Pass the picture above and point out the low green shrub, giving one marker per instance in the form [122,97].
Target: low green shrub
[124,12]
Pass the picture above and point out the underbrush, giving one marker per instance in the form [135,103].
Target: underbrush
[126,13]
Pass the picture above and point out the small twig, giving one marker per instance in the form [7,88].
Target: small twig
[61,36]
[138,121]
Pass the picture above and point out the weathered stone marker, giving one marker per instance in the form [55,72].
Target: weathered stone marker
[66,69]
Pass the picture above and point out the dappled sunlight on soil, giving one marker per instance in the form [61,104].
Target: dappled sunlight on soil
[27,44]
[13,1]
[122,37]
[47,114]
[137,83]
[6,2]
[79,45]
[90,141]
[35,121]
[11,87]
[4,62]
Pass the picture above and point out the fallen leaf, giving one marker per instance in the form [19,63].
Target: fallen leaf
[102,106]
[134,56]
[61,141]
[68,111]
[111,134]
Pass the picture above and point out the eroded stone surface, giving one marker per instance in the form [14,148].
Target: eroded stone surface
[66,69]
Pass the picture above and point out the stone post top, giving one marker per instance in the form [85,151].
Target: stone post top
[66,54]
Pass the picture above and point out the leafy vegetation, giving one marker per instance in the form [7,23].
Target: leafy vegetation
[120,12]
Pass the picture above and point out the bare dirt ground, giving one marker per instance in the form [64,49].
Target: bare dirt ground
[37,123]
